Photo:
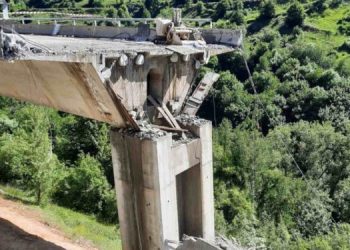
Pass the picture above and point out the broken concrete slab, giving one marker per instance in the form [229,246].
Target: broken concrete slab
[194,102]
[193,243]
[221,243]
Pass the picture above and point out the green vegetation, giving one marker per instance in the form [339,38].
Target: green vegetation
[281,147]
[75,225]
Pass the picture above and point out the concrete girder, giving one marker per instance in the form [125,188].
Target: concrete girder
[74,88]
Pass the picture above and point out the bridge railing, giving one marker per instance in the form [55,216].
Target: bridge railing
[96,20]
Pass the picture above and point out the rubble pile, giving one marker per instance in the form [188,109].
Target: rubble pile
[145,132]
[12,47]
[190,120]
[195,243]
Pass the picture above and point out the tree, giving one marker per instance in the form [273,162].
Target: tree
[267,10]
[95,4]
[26,157]
[86,189]
[237,15]
[295,15]
[222,8]
[313,215]
[319,6]
[342,199]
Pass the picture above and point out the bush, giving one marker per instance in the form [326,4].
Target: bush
[342,199]
[328,79]
[343,67]
[345,46]
[86,189]
[319,6]
[335,3]
[295,15]
[267,10]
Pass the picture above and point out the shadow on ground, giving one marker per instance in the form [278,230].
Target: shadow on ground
[14,238]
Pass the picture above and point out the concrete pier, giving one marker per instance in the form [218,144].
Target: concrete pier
[164,188]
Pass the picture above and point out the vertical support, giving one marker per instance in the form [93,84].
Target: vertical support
[1,42]
[5,10]
[146,191]
[204,132]
[177,17]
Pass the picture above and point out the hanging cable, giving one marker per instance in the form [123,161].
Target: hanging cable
[214,112]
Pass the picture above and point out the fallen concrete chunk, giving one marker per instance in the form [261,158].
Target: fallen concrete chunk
[194,102]
[192,243]
[221,243]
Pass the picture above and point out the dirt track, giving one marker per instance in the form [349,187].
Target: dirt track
[21,228]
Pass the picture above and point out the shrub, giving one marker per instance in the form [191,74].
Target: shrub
[329,78]
[345,46]
[267,10]
[86,189]
[319,6]
[342,199]
[295,15]
[343,67]
[335,3]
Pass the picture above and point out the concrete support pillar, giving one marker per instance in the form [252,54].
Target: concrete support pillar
[146,191]
[164,188]
[204,132]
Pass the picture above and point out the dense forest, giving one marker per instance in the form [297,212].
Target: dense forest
[281,137]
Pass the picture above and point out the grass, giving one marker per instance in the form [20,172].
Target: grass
[76,226]
[328,20]
[326,34]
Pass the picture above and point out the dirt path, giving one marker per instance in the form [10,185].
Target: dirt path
[22,229]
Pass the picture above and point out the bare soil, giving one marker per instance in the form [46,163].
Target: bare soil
[22,228]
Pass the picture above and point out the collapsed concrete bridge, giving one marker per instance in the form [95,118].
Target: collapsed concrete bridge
[142,81]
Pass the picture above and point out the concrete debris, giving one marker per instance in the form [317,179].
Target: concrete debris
[12,48]
[227,244]
[179,139]
[15,46]
[194,102]
[190,120]
[221,243]
[146,132]
[194,243]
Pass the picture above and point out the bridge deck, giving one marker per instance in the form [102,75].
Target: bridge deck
[58,46]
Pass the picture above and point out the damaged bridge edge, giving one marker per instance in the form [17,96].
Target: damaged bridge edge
[141,33]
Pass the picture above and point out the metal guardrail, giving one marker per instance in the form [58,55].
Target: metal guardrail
[95,20]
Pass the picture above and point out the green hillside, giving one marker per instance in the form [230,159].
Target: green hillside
[281,141]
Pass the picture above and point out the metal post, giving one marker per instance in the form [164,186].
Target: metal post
[1,43]
[5,10]
[177,17]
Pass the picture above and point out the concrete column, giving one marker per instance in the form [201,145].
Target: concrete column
[146,191]
[204,132]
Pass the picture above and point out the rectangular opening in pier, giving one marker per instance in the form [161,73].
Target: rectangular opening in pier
[189,202]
